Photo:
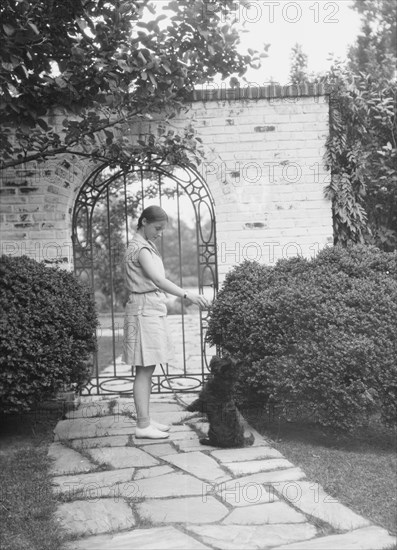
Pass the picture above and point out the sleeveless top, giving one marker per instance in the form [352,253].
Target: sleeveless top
[136,279]
[145,297]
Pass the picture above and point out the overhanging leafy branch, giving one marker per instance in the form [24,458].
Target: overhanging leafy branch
[105,62]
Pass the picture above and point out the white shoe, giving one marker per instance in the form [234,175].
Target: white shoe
[150,433]
[158,426]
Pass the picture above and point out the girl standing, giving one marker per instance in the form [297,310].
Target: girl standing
[146,339]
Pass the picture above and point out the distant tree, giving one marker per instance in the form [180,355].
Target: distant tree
[298,70]
[109,244]
[375,50]
[179,250]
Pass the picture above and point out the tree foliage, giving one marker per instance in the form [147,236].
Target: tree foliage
[361,149]
[362,146]
[362,153]
[298,69]
[375,49]
[107,62]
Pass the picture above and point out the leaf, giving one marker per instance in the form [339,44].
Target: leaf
[8,29]
[42,123]
[60,82]
[33,27]
[82,24]
[152,79]
[141,56]
[172,6]
[125,7]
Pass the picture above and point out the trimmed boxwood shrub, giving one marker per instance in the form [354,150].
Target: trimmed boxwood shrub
[320,334]
[48,323]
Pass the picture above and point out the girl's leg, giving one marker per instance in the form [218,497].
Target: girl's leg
[142,391]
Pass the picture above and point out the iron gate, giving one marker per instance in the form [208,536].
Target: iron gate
[109,201]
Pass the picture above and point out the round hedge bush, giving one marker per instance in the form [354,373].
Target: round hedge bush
[319,334]
[48,323]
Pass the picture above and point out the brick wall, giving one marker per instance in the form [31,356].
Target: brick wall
[263,166]
[36,205]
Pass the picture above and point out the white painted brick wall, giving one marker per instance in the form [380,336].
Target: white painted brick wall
[285,200]
[263,166]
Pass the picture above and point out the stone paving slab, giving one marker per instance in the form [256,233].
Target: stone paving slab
[124,457]
[160,449]
[88,518]
[311,499]
[81,428]
[182,510]
[242,495]
[248,453]
[161,407]
[237,537]
[172,417]
[67,461]
[199,465]
[260,514]
[154,471]
[170,485]
[89,410]
[103,441]
[181,428]
[254,466]
[162,398]
[193,445]
[81,399]
[156,538]
[183,435]
[146,442]
[93,482]
[115,404]
[267,478]
[367,538]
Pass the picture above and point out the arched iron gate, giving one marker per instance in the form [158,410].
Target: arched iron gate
[107,204]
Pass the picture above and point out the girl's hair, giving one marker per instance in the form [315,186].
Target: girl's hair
[152,214]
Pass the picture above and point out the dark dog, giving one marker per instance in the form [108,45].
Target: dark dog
[216,401]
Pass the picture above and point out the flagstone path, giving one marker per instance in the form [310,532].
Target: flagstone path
[116,492]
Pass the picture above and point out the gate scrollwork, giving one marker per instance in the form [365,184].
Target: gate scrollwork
[107,205]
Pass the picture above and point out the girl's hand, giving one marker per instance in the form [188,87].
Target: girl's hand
[198,300]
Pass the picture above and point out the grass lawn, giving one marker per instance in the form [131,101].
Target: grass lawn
[360,470]
[26,499]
